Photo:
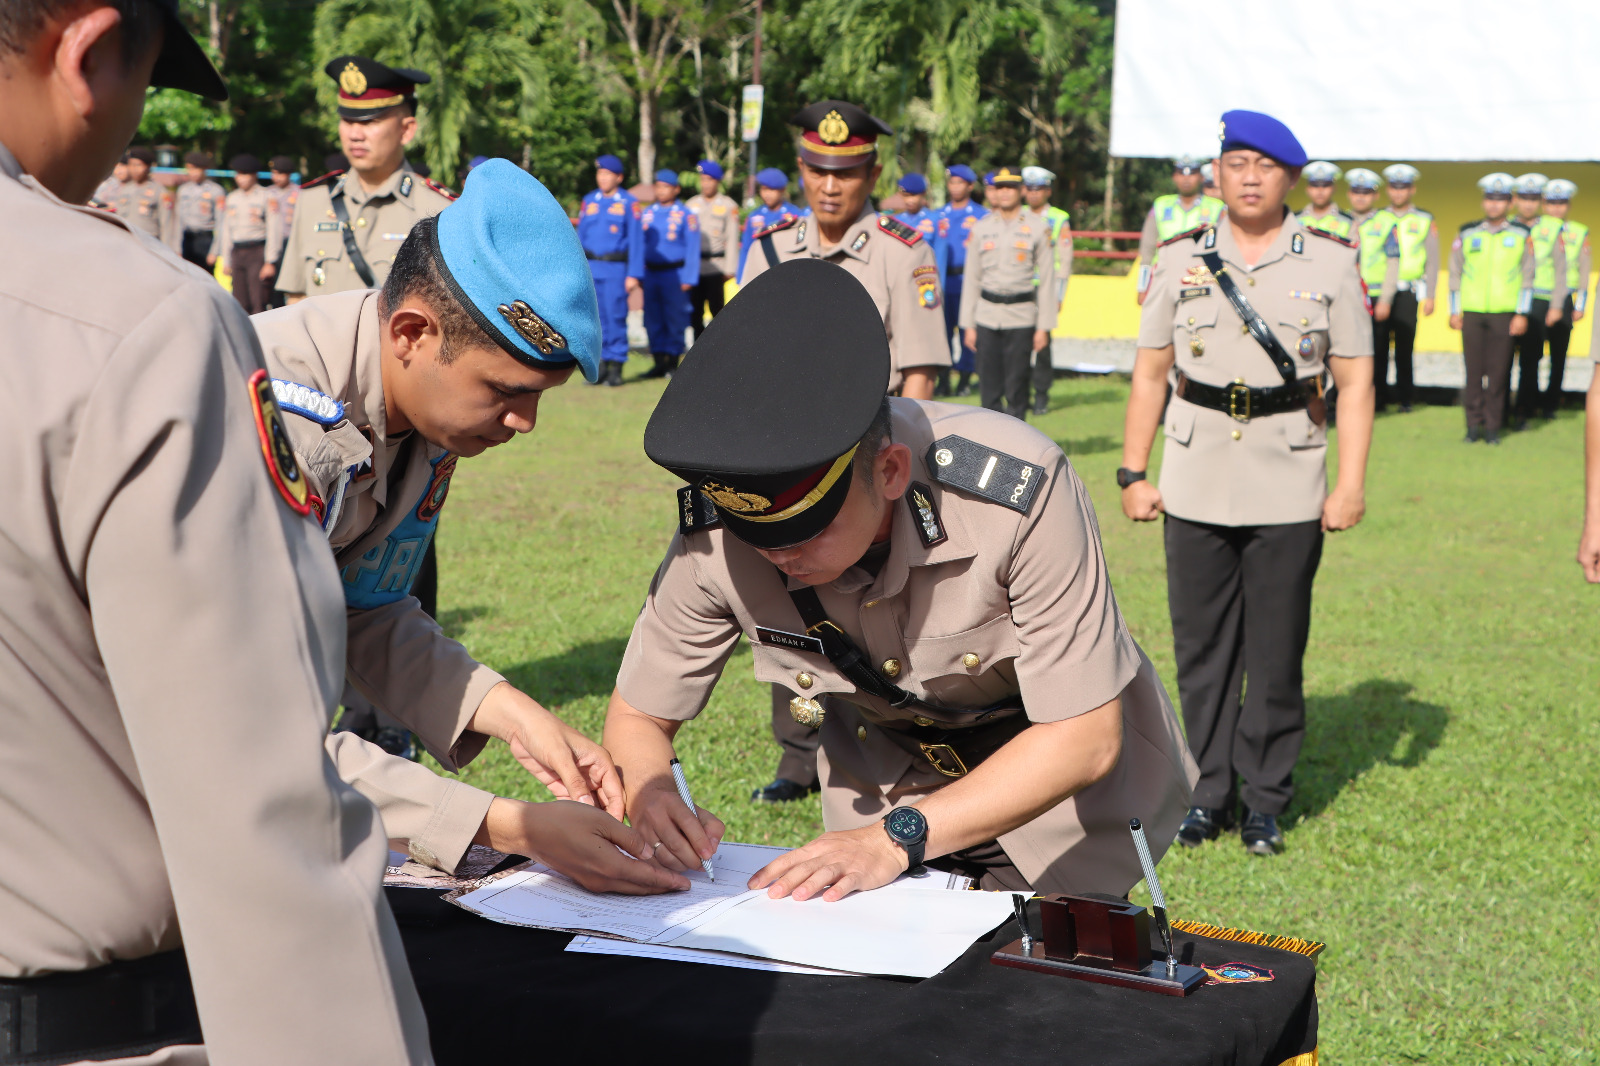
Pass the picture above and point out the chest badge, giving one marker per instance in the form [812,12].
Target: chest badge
[925,514]
[1307,346]
[1197,346]
[319,276]
[1197,274]
[807,712]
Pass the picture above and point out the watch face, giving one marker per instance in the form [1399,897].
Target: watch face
[906,825]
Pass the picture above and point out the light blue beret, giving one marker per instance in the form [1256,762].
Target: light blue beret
[915,184]
[710,168]
[510,253]
[772,178]
[1261,133]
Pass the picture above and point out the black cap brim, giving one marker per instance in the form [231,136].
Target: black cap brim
[183,64]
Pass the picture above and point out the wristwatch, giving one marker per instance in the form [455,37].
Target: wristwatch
[1126,477]
[907,827]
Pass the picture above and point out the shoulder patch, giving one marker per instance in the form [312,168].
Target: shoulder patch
[907,235]
[923,512]
[1334,237]
[777,227]
[326,179]
[972,468]
[695,511]
[282,466]
[1192,234]
[307,402]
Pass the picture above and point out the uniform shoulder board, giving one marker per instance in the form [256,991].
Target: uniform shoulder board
[907,235]
[695,511]
[1193,234]
[307,402]
[1519,224]
[1334,237]
[1469,225]
[970,467]
[777,227]
[326,179]
[440,189]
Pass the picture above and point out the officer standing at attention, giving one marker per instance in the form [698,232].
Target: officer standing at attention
[1007,310]
[956,219]
[1491,293]
[171,628]
[1243,321]
[1550,287]
[348,224]
[1208,181]
[1558,196]
[1416,238]
[143,203]
[671,271]
[772,186]
[927,580]
[613,242]
[719,243]
[1321,212]
[246,242]
[838,161]
[1038,184]
[1373,230]
[199,208]
[1175,213]
[282,195]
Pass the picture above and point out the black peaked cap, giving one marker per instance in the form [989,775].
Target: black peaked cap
[859,122]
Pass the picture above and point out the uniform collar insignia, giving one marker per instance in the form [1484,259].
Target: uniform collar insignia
[1211,237]
[1298,244]
[535,330]
[800,234]
[405,185]
[860,242]
[925,516]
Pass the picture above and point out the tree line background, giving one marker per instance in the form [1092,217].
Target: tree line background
[551,84]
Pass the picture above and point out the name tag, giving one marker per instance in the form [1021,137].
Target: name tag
[1200,290]
[779,639]
[324,227]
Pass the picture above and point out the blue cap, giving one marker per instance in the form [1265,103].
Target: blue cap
[988,177]
[710,168]
[772,178]
[611,163]
[509,248]
[964,172]
[668,176]
[477,161]
[1261,133]
[915,184]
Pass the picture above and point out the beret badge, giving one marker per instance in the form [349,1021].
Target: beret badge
[833,129]
[535,330]
[352,81]
[733,500]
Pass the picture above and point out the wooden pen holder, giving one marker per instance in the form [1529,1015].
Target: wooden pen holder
[1105,941]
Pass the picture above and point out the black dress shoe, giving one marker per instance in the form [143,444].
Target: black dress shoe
[1474,435]
[1491,437]
[1202,824]
[783,790]
[1260,833]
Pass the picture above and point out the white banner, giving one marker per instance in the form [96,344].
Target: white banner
[1402,79]
[750,113]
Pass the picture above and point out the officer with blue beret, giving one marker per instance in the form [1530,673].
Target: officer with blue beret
[487,306]
[956,219]
[1244,320]
[772,186]
[613,242]
[914,212]
[671,271]
[719,244]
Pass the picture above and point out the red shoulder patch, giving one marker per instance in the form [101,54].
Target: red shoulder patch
[1347,242]
[777,227]
[1186,234]
[907,235]
[326,178]
[440,189]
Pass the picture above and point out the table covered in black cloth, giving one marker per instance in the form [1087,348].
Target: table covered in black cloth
[499,993]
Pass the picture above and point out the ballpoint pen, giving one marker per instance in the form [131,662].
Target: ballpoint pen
[1021,906]
[683,791]
[1156,897]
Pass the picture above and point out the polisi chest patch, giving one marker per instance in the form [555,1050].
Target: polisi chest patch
[695,511]
[971,467]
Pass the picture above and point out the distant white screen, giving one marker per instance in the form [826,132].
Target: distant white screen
[1398,79]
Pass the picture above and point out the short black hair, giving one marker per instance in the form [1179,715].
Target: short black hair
[877,435]
[414,274]
[23,20]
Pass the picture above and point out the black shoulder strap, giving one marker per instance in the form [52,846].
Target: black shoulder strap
[842,651]
[357,260]
[769,251]
[1252,318]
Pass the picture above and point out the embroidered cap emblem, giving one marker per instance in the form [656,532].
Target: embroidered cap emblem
[535,330]
[731,499]
[833,129]
[352,81]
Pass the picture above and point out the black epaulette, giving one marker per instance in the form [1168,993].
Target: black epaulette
[907,235]
[1193,234]
[777,227]
[1346,241]
[325,179]
[1469,225]
[440,189]
[695,511]
[970,467]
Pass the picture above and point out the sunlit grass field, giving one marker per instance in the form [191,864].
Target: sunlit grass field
[1443,839]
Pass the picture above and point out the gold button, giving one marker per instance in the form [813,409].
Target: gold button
[920,720]
[1235,434]
[1191,320]
[971,660]
[1250,281]
[362,221]
[803,679]
[1244,329]
[870,603]
[1305,322]
[1238,381]
[861,732]
[891,668]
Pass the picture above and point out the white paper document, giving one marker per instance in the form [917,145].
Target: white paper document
[599,945]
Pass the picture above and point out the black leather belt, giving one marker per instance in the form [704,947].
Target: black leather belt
[956,752]
[249,244]
[609,257]
[1007,297]
[119,1010]
[663,267]
[955,271]
[1242,403]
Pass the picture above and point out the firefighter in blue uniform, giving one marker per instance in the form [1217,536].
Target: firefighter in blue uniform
[955,220]
[772,185]
[613,242]
[671,270]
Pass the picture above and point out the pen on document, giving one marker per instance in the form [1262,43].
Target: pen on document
[1153,883]
[1022,920]
[683,791]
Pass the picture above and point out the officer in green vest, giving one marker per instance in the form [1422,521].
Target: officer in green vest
[1491,291]
[1417,239]
[1175,213]
[1549,295]
[1575,243]
[1373,229]
[1208,181]
[1321,212]
[1038,185]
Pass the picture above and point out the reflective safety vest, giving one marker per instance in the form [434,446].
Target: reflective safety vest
[1056,219]
[1172,218]
[1573,234]
[1378,243]
[1545,232]
[1411,230]
[1335,222]
[1491,268]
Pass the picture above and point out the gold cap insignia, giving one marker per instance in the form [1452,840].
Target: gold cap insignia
[1222,131]
[833,129]
[731,499]
[352,81]
[535,330]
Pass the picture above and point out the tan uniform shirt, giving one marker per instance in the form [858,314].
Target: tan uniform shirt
[199,205]
[280,209]
[147,207]
[719,233]
[245,219]
[170,648]
[1270,470]
[398,657]
[314,259]
[1004,257]
[1026,594]
[898,271]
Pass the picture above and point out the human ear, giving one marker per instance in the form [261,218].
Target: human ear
[87,55]
[413,333]
[408,129]
[892,470]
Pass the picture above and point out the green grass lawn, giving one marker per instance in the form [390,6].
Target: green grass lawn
[1442,842]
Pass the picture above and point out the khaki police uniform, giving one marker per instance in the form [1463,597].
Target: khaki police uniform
[245,242]
[1009,292]
[719,255]
[372,490]
[1244,497]
[895,265]
[198,207]
[315,262]
[171,644]
[147,207]
[1001,604]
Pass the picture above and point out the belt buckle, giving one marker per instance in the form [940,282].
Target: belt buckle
[936,753]
[1236,391]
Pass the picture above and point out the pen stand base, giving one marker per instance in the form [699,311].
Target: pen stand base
[1152,978]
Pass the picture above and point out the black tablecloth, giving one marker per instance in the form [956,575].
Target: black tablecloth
[498,993]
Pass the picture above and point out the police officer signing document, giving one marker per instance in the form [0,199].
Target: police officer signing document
[926,579]
[1243,320]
